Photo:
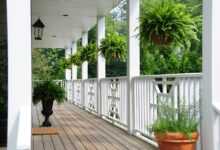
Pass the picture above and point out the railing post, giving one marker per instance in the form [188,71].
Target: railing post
[133,54]
[101,60]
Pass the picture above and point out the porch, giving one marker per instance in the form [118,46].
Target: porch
[79,130]
[127,102]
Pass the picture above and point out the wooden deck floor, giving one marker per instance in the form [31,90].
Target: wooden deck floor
[80,130]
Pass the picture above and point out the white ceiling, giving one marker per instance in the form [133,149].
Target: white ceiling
[82,17]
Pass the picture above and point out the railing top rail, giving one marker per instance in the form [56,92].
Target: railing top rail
[90,79]
[78,80]
[182,75]
[109,78]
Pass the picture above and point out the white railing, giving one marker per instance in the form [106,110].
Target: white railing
[60,83]
[114,101]
[77,92]
[146,92]
[24,129]
[69,90]
[90,95]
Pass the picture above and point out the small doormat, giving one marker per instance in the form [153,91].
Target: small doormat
[44,131]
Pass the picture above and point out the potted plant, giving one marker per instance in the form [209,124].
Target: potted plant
[167,22]
[88,53]
[75,59]
[47,92]
[176,129]
[113,47]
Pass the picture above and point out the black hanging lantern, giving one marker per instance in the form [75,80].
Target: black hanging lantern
[38,29]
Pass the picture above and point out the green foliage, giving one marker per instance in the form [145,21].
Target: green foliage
[47,64]
[113,47]
[168,21]
[184,119]
[48,91]
[88,53]
[162,61]
[65,63]
[76,59]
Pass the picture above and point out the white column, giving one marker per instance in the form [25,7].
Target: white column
[101,71]
[133,54]
[85,63]
[67,55]
[74,67]
[19,71]
[211,75]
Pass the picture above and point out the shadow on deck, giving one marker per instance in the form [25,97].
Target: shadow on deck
[80,130]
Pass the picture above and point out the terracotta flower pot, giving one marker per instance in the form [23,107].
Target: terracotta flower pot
[176,141]
[161,39]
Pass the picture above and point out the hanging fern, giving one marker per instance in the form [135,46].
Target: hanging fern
[166,22]
[113,47]
[65,63]
[76,59]
[88,53]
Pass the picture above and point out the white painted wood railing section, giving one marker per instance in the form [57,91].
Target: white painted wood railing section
[69,90]
[147,90]
[77,92]
[90,95]
[114,99]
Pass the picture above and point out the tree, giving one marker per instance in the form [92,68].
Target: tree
[46,64]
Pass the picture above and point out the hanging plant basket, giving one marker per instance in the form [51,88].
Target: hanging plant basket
[75,59]
[165,39]
[113,48]
[88,53]
[167,22]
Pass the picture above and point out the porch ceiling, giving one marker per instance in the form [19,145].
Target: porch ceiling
[60,30]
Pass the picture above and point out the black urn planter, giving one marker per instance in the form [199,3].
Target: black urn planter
[3,129]
[47,110]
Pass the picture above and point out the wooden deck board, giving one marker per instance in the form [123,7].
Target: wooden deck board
[80,130]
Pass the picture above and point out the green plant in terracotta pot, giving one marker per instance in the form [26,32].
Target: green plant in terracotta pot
[176,128]
[113,47]
[167,22]
[47,92]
